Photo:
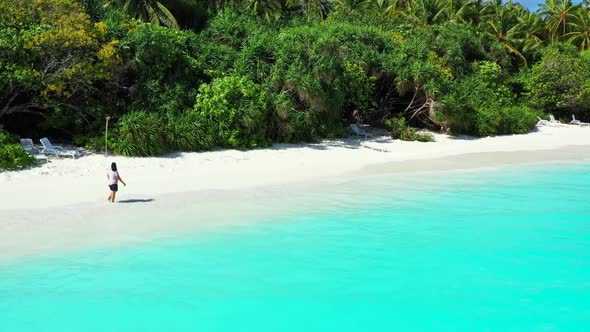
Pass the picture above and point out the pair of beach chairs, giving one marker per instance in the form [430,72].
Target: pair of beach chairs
[556,123]
[48,149]
[552,122]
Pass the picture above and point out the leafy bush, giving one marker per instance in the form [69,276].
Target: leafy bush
[190,14]
[459,45]
[141,134]
[12,155]
[327,70]
[6,138]
[166,66]
[484,105]
[53,58]
[231,29]
[560,82]
[235,110]
[148,134]
[400,130]
[96,142]
[507,120]
[187,132]
[257,57]
[289,79]
[517,119]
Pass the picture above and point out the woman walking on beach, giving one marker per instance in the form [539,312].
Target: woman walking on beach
[114,178]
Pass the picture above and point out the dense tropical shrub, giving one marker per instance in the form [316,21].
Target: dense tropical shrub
[401,130]
[190,14]
[141,134]
[148,134]
[52,56]
[165,65]
[458,45]
[483,104]
[284,71]
[560,82]
[187,132]
[505,120]
[258,57]
[235,111]
[12,155]
[324,72]
[516,119]
[232,29]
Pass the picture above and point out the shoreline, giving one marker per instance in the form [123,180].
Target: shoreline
[66,182]
[45,233]
[481,161]
[32,227]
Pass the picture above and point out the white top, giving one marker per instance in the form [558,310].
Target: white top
[113,177]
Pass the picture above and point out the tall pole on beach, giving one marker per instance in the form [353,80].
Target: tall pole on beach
[106,136]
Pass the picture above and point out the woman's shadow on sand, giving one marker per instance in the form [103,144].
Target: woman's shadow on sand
[126,201]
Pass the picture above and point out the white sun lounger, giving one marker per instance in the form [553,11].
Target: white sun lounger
[554,121]
[358,131]
[578,122]
[543,122]
[28,146]
[58,151]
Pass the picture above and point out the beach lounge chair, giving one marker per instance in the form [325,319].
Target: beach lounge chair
[543,122]
[554,121]
[358,131]
[578,122]
[58,151]
[28,146]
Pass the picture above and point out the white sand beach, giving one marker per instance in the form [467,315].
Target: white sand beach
[59,199]
[65,181]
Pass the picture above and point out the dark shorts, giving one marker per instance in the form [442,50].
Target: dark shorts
[114,187]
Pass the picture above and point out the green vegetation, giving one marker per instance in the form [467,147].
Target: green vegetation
[559,82]
[192,75]
[233,111]
[484,104]
[400,130]
[12,154]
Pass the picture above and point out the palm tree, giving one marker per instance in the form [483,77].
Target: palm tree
[580,29]
[351,5]
[558,14]
[532,29]
[311,8]
[457,9]
[474,11]
[266,8]
[398,8]
[503,26]
[218,5]
[425,12]
[381,4]
[490,9]
[432,11]
[438,11]
[149,11]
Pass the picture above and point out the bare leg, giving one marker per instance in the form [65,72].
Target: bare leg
[114,193]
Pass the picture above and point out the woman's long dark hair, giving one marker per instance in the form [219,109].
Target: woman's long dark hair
[114,167]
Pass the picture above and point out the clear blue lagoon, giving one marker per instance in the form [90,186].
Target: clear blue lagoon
[503,250]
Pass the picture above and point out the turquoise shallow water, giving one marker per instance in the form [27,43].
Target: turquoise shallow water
[505,250]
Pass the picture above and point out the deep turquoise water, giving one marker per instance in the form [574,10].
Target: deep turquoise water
[505,250]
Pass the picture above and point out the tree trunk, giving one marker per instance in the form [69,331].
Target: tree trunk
[22,108]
